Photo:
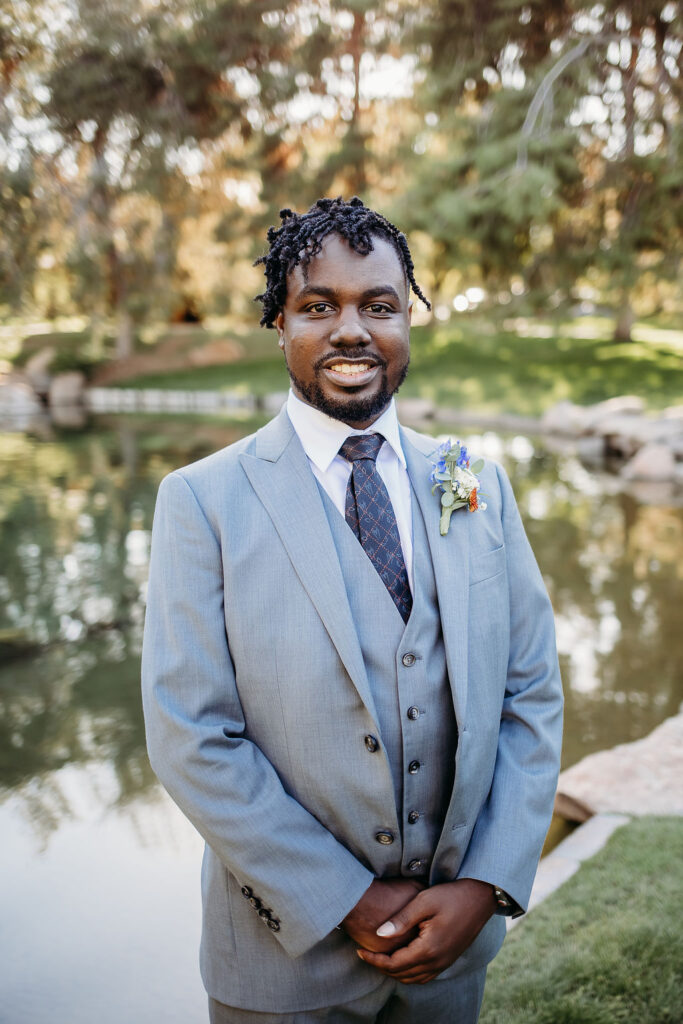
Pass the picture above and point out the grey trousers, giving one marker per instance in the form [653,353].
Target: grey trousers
[445,1001]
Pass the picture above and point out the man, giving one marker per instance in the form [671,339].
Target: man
[359,714]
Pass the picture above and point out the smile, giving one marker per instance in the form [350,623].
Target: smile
[351,374]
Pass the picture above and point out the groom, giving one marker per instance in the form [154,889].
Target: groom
[360,715]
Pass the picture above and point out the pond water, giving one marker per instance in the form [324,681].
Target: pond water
[100,873]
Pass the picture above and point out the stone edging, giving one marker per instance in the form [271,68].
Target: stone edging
[565,860]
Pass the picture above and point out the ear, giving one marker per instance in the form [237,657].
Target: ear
[410,311]
[280,328]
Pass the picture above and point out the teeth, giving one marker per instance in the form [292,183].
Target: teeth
[347,368]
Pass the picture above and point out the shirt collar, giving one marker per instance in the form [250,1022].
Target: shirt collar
[322,436]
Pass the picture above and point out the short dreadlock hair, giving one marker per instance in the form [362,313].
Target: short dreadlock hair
[300,237]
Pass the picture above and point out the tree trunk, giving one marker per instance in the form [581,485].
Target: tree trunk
[622,329]
[124,334]
[357,176]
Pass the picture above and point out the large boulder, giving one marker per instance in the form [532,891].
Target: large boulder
[653,462]
[565,418]
[624,435]
[622,406]
[67,389]
[643,777]
[37,370]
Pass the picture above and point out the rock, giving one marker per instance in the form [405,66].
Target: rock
[37,370]
[634,778]
[651,462]
[591,449]
[564,418]
[674,412]
[73,417]
[624,435]
[19,404]
[622,405]
[415,409]
[67,388]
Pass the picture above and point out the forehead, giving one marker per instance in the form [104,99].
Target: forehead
[338,266]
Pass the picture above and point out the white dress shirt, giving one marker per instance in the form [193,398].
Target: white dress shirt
[322,436]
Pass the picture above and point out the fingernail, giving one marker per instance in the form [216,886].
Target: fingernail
[386,929]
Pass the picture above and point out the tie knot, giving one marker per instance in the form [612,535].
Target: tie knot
[361,446]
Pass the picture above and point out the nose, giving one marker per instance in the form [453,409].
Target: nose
[350,329]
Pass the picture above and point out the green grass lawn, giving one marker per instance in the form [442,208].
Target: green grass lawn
[479,366]
[605,948]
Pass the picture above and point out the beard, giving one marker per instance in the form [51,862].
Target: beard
[349,409]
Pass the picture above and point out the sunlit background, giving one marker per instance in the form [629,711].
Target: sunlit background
[531,152]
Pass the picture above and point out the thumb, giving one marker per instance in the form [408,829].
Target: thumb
[404,920]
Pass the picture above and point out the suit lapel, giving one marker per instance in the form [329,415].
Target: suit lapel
[450,558]
[280,474]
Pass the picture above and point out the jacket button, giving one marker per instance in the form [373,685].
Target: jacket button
[413,817]
[385,838]
[371,743]
[413,713]
[273,924]
[408,660]
[415,865]
[414,767]
[246,892]
[256,902]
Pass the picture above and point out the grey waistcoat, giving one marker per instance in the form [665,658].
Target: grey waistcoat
[406,667]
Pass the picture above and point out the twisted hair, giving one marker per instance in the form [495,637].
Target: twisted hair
[300,237]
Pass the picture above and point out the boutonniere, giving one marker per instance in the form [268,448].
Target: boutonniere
[457,479]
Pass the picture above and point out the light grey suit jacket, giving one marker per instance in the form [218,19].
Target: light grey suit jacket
[257,703]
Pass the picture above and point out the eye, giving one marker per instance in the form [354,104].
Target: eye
[318,307]
[378,307]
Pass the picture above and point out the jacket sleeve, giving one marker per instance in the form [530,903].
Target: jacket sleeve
[195,735]
[509,833]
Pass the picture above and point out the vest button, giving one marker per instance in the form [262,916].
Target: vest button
[371,743]
[413,713]
[413,817]
[408,660]
[246,892]
[414,767]
[385,838]
[273,924]
[256,902]
[415,865]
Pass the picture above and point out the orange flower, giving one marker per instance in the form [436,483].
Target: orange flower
[474,504]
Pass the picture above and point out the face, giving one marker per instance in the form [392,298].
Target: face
[345,330]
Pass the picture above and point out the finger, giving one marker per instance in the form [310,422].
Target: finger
[407,959]
[406,919]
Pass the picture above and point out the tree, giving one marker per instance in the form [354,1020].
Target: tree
[550,158]
[135,89]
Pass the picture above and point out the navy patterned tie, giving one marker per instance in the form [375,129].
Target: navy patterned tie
[370,515]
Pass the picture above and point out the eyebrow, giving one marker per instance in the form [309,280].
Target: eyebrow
[332,293]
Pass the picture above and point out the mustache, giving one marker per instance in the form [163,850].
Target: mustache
[349,353]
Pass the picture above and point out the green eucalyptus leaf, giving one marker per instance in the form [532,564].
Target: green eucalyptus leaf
[447,499]
[477,466]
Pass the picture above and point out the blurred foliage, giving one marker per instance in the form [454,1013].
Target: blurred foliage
[531,149]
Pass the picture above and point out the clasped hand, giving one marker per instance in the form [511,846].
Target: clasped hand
[412,933]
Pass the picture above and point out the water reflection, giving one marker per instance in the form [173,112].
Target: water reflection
[76,521]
